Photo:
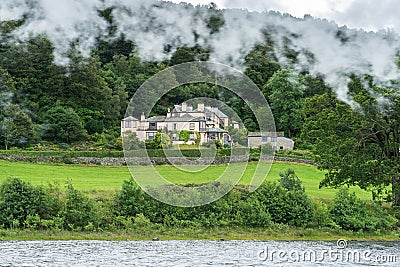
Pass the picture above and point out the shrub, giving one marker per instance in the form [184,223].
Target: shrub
[350,213]
[290,181]
[253,213]
[78,211]
[130,199]
[19,199]
[321,216]
[132,142]
[185,135]
[288,207]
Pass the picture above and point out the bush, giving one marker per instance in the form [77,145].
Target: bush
[290,181]
[130,199]
[78,211]
[19,200]
[287,207]
[253,213]
[350,213]
[321,216]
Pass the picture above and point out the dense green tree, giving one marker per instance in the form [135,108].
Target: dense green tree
[261,65]
[357,145]
[63,125]
[289,180]
[188,54]
[16,128]
[78,211]
[239,136]
[286,97]
[18,200]
[132,142]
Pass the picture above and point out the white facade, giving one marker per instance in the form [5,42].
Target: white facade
[275,139]
[207,122]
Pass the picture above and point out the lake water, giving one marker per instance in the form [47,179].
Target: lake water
[198,253]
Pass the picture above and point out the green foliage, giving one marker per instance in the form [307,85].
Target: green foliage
[132,142]
[16,128]
[184,135]
[78,211]
[290,181]
[130,199]
[63,125]
[284,206]
[25,206]
[160,141]
[19,199]
[351,213]
[94,126]
[299,154]
[358,146]
[253,213]
[286,93]
[239,136]
[321,215]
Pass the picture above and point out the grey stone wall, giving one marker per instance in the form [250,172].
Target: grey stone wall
[139,161]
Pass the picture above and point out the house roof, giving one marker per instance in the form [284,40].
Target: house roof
[216,111]
[156,119]
[185,117]
[285,139]
[130,118]
[269,134]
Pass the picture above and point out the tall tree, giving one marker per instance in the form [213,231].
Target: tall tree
[63,125]
[16,128]
[286,97]
[359,145]
[261,65]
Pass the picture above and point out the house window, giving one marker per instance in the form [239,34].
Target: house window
[264,139]
[134,124]
[150,136]
[273,139]
[191,137]
[191,126]
[175,126]
[127,124]
[202,125]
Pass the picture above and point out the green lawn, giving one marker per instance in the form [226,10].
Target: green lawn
[92,178]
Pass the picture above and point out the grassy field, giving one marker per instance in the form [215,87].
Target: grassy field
[97,178]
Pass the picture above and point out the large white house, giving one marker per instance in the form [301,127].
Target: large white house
[208,123]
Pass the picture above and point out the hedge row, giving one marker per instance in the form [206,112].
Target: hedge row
[25,206]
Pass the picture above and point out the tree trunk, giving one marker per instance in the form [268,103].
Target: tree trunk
[396,190]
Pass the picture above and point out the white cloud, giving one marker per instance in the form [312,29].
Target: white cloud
[370,15]
[365,14]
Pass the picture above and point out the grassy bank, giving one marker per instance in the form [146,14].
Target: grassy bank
[277,233]
[97,178]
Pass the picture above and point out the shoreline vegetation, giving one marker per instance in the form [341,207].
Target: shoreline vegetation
[284,208]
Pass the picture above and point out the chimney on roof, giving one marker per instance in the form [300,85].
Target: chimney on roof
[142,117]
[184,107]
[200,107]
[169,113]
